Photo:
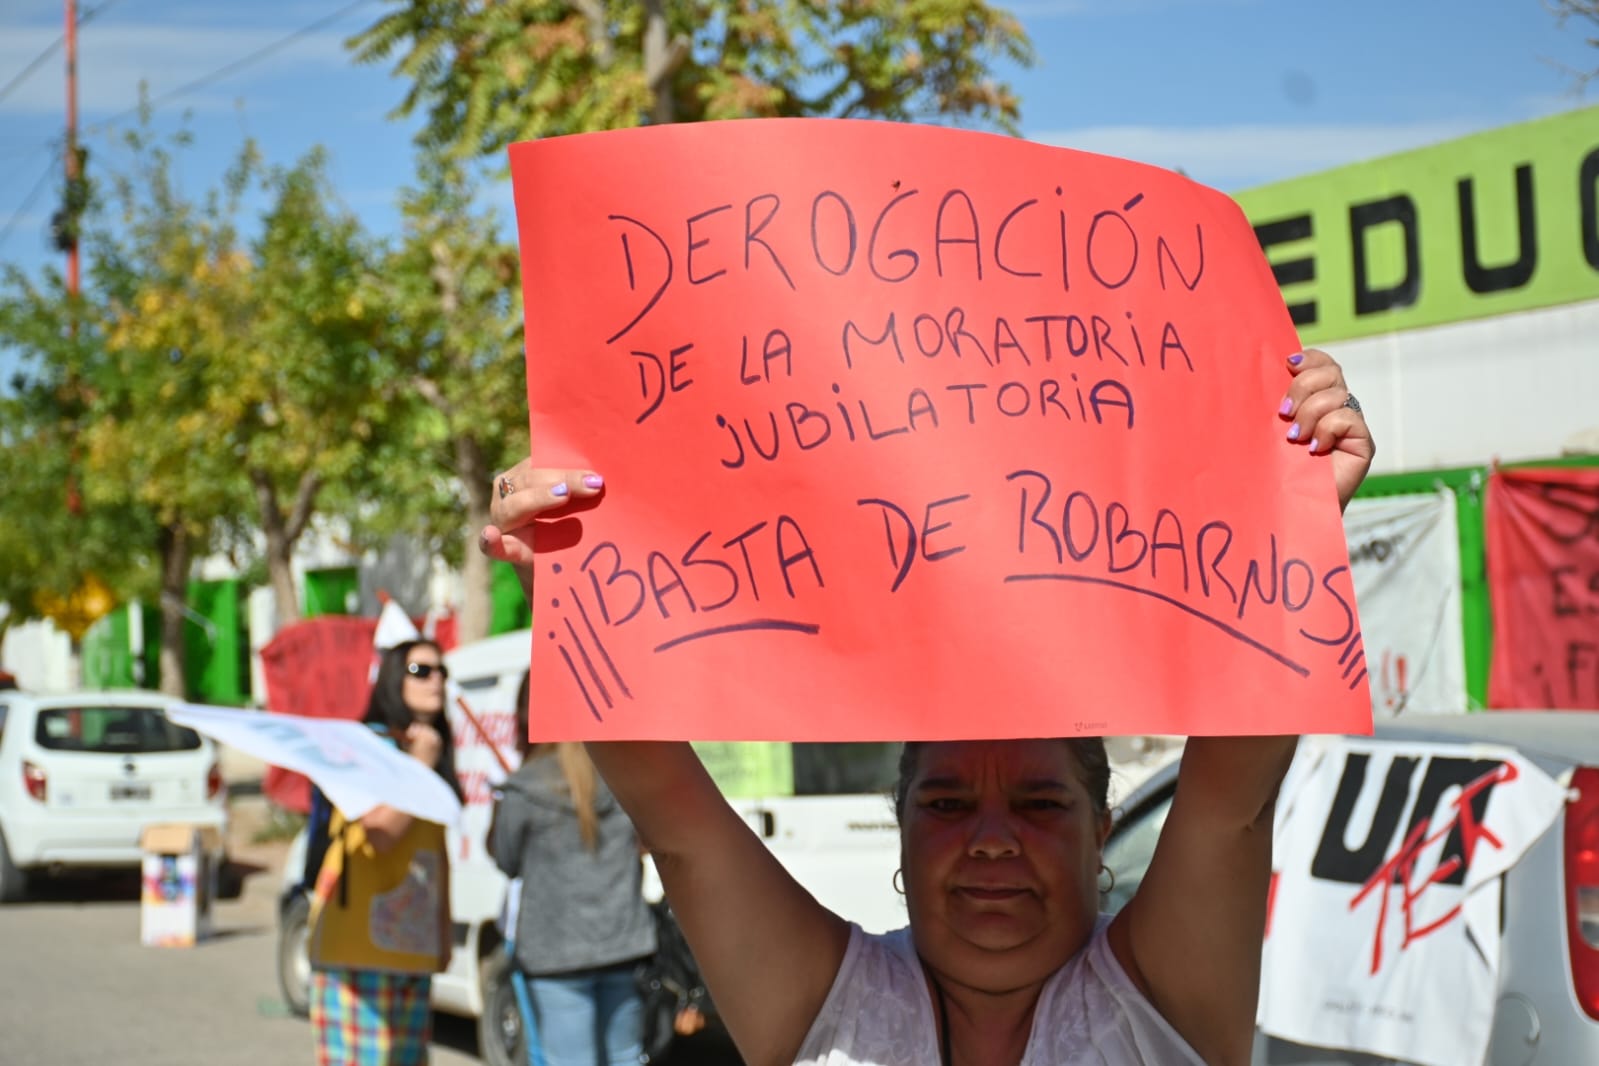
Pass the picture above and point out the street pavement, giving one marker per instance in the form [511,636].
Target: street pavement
[77,988]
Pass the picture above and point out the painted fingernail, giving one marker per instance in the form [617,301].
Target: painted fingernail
[1312,447]
[559,490]
[1287,407]
[1293,431]
[593,481]
[1296,358]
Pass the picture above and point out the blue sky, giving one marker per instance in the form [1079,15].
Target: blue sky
[1235,92]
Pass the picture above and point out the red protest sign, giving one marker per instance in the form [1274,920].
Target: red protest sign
[1542,531]
[319,667]
[916,433]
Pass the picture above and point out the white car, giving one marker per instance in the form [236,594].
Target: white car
[83,773]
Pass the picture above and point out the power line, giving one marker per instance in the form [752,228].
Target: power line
[38,187]
[182,90]
[230,69]
[50,51]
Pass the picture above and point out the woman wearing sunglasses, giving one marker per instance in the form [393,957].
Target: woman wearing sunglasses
[380,918]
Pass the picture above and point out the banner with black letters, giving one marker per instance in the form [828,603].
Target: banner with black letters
[1383,934]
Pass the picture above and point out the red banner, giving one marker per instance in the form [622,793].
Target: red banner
[1543,574]
[320,667]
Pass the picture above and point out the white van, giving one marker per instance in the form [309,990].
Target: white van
[824,810]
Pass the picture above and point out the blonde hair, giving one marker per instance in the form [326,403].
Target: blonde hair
[578,771]
[576,768]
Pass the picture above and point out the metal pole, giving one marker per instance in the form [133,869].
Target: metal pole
[72,135]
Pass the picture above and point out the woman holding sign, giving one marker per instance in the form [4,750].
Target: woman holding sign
[1006,959]
[380,915]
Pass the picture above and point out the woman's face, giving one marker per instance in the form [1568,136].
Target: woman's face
[423,686]
[1000,846]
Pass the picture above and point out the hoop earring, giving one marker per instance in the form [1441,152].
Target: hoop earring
[1106,890]
[899,881]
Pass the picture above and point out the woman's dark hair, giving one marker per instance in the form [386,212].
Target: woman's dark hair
[1089,752]
[386,707]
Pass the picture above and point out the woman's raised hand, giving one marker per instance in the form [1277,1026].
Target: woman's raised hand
[1327,420]
[424,743]
[525,493]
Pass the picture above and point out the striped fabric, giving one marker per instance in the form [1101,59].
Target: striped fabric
[360,1018]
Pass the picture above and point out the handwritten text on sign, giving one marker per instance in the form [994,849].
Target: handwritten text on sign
[917,433]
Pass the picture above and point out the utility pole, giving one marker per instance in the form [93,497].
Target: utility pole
[72,208]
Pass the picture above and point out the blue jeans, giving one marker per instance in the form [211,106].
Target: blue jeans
[590,1018]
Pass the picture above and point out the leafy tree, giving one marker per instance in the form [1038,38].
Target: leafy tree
[60,558]
[488,74]
[111,445]
[299,398]
[164,279]
[452,303]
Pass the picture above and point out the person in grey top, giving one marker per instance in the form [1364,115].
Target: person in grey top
[582,923]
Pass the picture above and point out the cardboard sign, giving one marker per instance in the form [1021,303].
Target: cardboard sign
[1542,530]
[1385,922]
[915,433]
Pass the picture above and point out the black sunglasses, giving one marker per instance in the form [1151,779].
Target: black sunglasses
[423,671]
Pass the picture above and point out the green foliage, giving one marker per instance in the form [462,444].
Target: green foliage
[203,392]
[302,401]
[52,543]
[451,297]
[491,74]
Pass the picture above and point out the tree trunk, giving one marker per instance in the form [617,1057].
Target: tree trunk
[477,577]
[177,552]
[282,533]
[662,57]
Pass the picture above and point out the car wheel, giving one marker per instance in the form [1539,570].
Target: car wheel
[501,1037]
[294,956]
[13,882]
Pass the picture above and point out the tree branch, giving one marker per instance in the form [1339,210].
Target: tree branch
[599,33]
[661,62]
[429,390]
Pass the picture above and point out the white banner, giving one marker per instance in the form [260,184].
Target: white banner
[1404,560]
[354,767]
[1383,934]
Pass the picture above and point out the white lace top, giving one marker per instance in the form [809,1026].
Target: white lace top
[880,1012]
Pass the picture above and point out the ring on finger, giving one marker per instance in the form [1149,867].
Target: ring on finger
[506,488]
[1352,403]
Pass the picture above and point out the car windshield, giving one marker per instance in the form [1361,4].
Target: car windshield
[1130,848]
[112,730]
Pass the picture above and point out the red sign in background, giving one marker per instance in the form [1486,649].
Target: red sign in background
[914,433]
[1543,575]
[321,667]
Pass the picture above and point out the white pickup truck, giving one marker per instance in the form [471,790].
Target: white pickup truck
[824,809]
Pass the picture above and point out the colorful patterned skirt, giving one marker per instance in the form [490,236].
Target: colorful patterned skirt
[360,1018]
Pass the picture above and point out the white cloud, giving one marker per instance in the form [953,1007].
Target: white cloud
[1239,156]
[113,60]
